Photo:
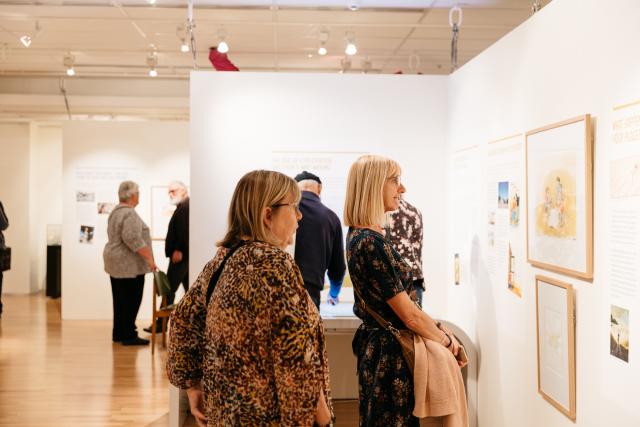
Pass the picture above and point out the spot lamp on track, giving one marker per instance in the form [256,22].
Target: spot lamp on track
[68,61]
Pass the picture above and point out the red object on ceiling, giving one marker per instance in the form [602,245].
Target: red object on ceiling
[220,61]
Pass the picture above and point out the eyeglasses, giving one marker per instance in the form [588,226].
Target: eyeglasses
[395,179]
[294,204]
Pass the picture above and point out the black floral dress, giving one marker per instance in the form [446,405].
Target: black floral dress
[385,382]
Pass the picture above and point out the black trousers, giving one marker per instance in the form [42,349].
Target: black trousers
[1,277]
[177,274]
[127,296]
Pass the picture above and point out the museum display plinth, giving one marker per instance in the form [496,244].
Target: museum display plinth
[54,257]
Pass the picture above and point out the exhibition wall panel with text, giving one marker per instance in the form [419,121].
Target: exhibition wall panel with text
[569,60]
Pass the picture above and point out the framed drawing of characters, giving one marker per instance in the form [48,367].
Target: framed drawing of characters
[559,197]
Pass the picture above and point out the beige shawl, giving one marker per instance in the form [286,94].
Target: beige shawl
[437,384]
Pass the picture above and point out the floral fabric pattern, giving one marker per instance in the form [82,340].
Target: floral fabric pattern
[379,273]
[405,234]
[258,349]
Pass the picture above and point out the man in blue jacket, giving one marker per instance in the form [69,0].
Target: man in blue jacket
[319,246]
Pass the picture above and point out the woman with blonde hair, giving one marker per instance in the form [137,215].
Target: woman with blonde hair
[246,341]
[382,282]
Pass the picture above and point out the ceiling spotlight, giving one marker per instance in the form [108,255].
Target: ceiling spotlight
[223,47]
[351,48]
[152,62]
[324,37]
[26,40]
[68,61]
[151,1]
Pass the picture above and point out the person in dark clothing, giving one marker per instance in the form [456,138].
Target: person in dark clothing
[176,244]
[4,224]
[319,246]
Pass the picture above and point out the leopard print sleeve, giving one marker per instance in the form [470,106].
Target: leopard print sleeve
[186,333]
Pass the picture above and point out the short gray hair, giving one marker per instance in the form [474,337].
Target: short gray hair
[127,189]
[177,183]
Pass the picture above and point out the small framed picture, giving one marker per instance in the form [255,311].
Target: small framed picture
[556,344]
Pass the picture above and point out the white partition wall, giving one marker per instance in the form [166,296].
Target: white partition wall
[239,120]
[15,166]
[572,58]
[96,157]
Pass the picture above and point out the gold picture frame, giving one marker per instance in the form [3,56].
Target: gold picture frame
[555,334]
[559,197]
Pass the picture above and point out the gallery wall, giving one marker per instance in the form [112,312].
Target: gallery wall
[570,59]
[246,121]
[96,157]
[14,194]
[45,194]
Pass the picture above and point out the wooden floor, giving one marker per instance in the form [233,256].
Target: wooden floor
[55,373]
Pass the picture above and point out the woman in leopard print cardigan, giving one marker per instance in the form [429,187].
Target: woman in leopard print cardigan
[255,354]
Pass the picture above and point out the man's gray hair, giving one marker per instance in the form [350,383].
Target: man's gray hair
[127,189]
[177,183]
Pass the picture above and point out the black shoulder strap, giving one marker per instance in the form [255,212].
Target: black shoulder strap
[216,274]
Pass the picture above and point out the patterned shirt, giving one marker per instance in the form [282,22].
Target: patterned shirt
[405,234]
[258,349]
[127,234]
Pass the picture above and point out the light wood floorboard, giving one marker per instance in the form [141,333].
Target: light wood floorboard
[69,373]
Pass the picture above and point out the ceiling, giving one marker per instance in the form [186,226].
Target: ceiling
[112,39]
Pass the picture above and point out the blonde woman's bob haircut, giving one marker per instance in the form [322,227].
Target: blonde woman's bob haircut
[256,191]
[364,204]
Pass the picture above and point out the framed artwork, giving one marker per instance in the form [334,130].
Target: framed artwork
[556,344]
[161,212]
[559,197]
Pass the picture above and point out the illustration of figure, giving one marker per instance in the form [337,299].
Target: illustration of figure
[560,201]
[618,349]
[547,205]
[515,209]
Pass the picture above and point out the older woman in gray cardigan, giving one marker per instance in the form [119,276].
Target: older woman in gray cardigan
[127,258]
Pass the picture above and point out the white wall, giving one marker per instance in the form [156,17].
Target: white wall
[239,119]
[46,194]
[153,153]
[15,152]
[572,58]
